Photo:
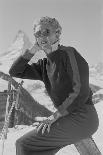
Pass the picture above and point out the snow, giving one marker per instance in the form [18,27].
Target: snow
[97,81]
[3,85]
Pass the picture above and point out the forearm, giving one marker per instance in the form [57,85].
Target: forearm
[18,66]
[21,69]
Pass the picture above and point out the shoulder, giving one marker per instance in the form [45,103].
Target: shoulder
[66,48]
[73,51]
[70,49]
[66,52]
[76,58]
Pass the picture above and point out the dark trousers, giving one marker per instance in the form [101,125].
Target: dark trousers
[65,131]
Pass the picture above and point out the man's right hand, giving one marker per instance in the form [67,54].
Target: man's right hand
[35,48]
[29,53]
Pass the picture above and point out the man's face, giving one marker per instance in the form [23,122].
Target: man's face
[45,35]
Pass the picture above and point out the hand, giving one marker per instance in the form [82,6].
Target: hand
[45,123]
[31,51]
[35,48]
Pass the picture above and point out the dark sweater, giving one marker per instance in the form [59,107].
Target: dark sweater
[65,74]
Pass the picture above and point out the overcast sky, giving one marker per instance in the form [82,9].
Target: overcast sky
[81,21]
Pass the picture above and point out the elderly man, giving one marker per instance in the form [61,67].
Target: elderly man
[65,74]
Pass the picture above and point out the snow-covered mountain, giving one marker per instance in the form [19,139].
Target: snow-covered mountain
[14,51]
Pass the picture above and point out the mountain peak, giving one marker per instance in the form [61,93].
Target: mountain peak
[20,34]
[21,40]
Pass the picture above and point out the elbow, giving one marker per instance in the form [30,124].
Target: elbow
[12,72]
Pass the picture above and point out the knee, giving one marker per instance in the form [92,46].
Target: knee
[20,147]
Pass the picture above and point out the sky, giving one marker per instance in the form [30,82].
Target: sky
[81,21]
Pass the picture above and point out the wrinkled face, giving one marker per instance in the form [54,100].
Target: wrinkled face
[45,35]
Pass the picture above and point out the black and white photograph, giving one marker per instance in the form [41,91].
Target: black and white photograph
[51,77]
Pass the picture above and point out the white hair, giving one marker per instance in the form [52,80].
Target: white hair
[52,22]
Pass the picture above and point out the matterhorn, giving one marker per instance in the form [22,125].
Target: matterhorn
[7,58]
